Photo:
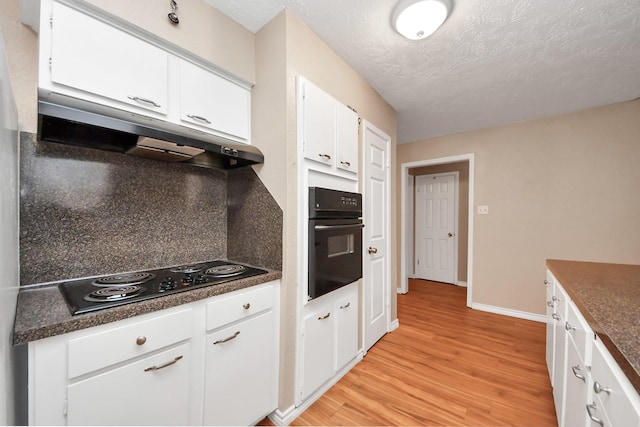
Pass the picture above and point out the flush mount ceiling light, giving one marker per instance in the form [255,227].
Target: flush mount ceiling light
[418,19]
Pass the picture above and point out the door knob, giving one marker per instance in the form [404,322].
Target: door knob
[372,250]
[450,234]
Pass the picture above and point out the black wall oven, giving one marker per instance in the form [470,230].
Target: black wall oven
[335,239]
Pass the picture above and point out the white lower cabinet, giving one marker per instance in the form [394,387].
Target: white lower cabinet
[163,368]
[239,374]
[589,387]
[151,391]
[329,338]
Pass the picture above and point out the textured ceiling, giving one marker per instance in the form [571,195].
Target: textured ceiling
[493,62]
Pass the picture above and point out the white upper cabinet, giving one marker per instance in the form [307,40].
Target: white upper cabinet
[92,60]
[329,132]
[88,55]
[210,101]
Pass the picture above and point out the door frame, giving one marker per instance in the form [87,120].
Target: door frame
[370,126]
[456,180]
[406,229]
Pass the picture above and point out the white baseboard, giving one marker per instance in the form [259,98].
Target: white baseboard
[461,283]
[395,324]
[511,313]
[286,417]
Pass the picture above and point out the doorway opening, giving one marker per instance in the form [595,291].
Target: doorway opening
[464,165]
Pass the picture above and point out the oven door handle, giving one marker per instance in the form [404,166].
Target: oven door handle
[336,227]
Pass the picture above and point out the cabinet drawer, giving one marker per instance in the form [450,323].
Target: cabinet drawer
[118,344]
[613,393]
[236,306]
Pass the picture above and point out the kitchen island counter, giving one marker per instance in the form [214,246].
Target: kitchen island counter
[608,296]
[42,311]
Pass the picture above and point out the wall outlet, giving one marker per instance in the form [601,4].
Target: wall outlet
[483,210]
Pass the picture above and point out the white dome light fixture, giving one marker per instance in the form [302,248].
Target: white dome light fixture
[418,19]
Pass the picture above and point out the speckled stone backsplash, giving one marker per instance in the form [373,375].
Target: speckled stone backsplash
[86,212]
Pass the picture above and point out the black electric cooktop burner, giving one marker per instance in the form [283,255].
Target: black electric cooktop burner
[97,293]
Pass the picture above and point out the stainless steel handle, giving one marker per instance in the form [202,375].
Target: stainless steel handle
[337,227]
[227,339]
[347,164]
[198,118]
[593,418]
[555,298]
[141,340]
[555,316]
[575,370]
[568,327]
[599,389]
[450,234]
[246,306]
[550,303]
[372,250]
[155,368]
[546,282]
[144,100]
[325,156]
[347,305]
[326,316]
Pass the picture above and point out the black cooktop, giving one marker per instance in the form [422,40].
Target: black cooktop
[97,293]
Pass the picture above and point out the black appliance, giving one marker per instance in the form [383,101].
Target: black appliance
[335,239]
[97,293]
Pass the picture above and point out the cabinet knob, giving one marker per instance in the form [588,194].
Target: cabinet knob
[597,387]
[546,282]
[141,340]
[568,326]
[372,250]
[246,306]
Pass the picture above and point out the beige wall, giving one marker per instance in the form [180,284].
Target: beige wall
[463,207]
[562,187]
[286,48]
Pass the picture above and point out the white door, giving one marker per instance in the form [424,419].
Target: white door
[376,235]
[435,228]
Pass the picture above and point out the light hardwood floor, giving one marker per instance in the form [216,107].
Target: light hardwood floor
[445,365]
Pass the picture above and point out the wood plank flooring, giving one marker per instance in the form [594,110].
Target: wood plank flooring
[445,365]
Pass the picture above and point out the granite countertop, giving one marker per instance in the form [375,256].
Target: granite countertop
[608,296]
[42,311]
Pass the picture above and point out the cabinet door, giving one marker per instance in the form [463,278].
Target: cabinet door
[317,350]
[319,124]
[575,414]
[346,323]
[213,102]
[347,139]
[93,57]
[135,394]
[239,383]
[550,341]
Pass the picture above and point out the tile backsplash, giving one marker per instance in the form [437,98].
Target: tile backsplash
[86,212]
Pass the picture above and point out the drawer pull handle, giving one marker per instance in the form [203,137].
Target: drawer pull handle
[326,316]
[227,339]
[156,368]
[593,418]
[347,305]
[575,370]
[555,316]
[141,340]
[199,118]
[546,282]
[144,100]
[599,389]
[555,298]
[550,303]
[568,327]
[325,156]
[246,306]
[347,164]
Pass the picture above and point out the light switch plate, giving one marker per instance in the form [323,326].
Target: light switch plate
[483,210]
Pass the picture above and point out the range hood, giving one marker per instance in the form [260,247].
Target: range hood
[115,130]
